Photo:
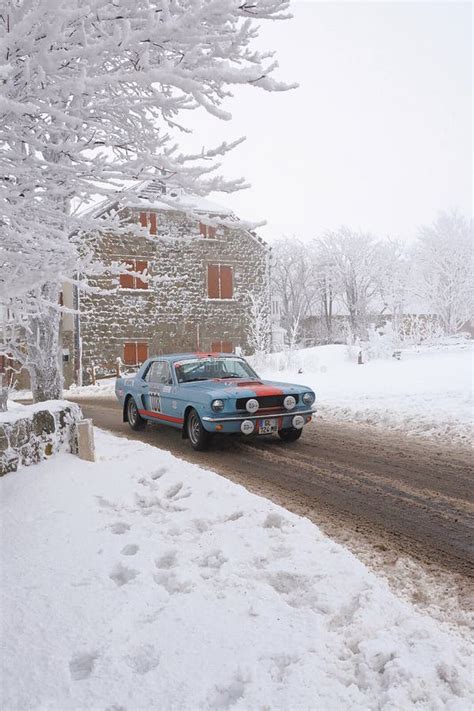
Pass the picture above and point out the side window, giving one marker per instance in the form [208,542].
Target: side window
[159,373]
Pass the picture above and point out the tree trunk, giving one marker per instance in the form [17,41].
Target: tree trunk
[42,342]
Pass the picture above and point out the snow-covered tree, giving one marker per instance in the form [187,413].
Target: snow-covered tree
[294,281]
[444,257]
[355,259]
[92,92]
[258,330]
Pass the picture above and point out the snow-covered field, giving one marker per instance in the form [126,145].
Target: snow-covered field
[427,392]
[144,582]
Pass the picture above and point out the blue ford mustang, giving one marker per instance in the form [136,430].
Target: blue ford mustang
[207,393]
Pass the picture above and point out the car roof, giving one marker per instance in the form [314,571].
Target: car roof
[172,357]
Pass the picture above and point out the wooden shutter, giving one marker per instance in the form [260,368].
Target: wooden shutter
[153,228]
[127,280]
[130,353]
[227,347]
[203,229]
[213,290]
[226,282]
[143,219]
[216,346]
[211,232]
[142,352]
[2,364]
[141,266]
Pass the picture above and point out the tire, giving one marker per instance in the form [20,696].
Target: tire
[134,419]
[200,439]
[290,435]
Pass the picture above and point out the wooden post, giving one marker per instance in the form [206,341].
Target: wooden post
[85,440]
[93,373]
[118,367]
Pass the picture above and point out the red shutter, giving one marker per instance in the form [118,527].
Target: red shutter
[216,346]
[2,364]
[211,232]
[130,353]
[142,352]
[226,282]
[127,280]
[143,219]
[141,266]
[203,229]
[213,291]
[153,229]
[227,347]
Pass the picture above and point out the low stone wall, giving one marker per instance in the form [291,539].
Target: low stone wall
[30,433]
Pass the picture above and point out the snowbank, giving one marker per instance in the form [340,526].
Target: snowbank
[142,581]
[428,392]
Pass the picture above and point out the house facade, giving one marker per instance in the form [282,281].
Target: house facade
[192,270]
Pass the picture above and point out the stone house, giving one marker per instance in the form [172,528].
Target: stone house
[192,269]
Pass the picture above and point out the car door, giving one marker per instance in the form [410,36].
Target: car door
[159,390]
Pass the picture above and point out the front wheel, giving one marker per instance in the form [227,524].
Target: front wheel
[135,420]
[199,437]
[290,435]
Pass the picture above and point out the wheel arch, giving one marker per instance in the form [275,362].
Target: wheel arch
[125,403]
[187,410]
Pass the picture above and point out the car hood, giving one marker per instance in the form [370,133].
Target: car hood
[245,388]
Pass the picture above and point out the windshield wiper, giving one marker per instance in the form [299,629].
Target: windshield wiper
[193,380]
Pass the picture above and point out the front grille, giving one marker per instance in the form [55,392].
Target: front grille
[265,401]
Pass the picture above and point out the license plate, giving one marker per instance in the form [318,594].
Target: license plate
[267,426]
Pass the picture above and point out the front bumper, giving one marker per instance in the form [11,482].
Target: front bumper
[262,416]
[229,424]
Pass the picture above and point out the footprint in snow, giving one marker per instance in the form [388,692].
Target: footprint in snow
[275,520]
[131,549]
[119,528]
[122,575]
[224,697]
[159,473]
[166,561]
[144,659]
[171,583]
[174,490]
[82,665]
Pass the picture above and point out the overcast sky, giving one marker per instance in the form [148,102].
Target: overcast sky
[378,136]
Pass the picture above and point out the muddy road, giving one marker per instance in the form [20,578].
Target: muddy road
[378,493]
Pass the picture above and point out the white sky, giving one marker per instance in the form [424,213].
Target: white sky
[378,136]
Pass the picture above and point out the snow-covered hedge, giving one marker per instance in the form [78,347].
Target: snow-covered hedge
[28,433]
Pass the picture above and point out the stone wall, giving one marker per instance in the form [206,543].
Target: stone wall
[174,314]
[34,432]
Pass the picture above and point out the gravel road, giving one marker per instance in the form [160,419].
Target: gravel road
[380,494]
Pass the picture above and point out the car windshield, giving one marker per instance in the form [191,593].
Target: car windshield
[211,368]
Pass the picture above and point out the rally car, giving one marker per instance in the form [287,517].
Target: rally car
[204,394]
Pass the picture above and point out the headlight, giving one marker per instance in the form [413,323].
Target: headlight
[308,398]
[217,405]
[252,405]
[289,402]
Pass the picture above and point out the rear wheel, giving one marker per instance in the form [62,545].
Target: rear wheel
[290,435]
[200,439]
[135,420]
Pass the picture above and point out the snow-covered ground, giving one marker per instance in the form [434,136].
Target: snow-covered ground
[427,392]
[144,582]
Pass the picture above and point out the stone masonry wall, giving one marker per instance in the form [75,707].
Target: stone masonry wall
[174,314]
[35,432]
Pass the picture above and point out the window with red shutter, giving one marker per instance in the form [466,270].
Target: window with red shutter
[149,219]
[140,266]
[142,352]
[153,226]
[128,281]
[226,282]
[222,347]
[207,231]
[213,290]
[203,229]
[143,219]
[135,353]
[130,353]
